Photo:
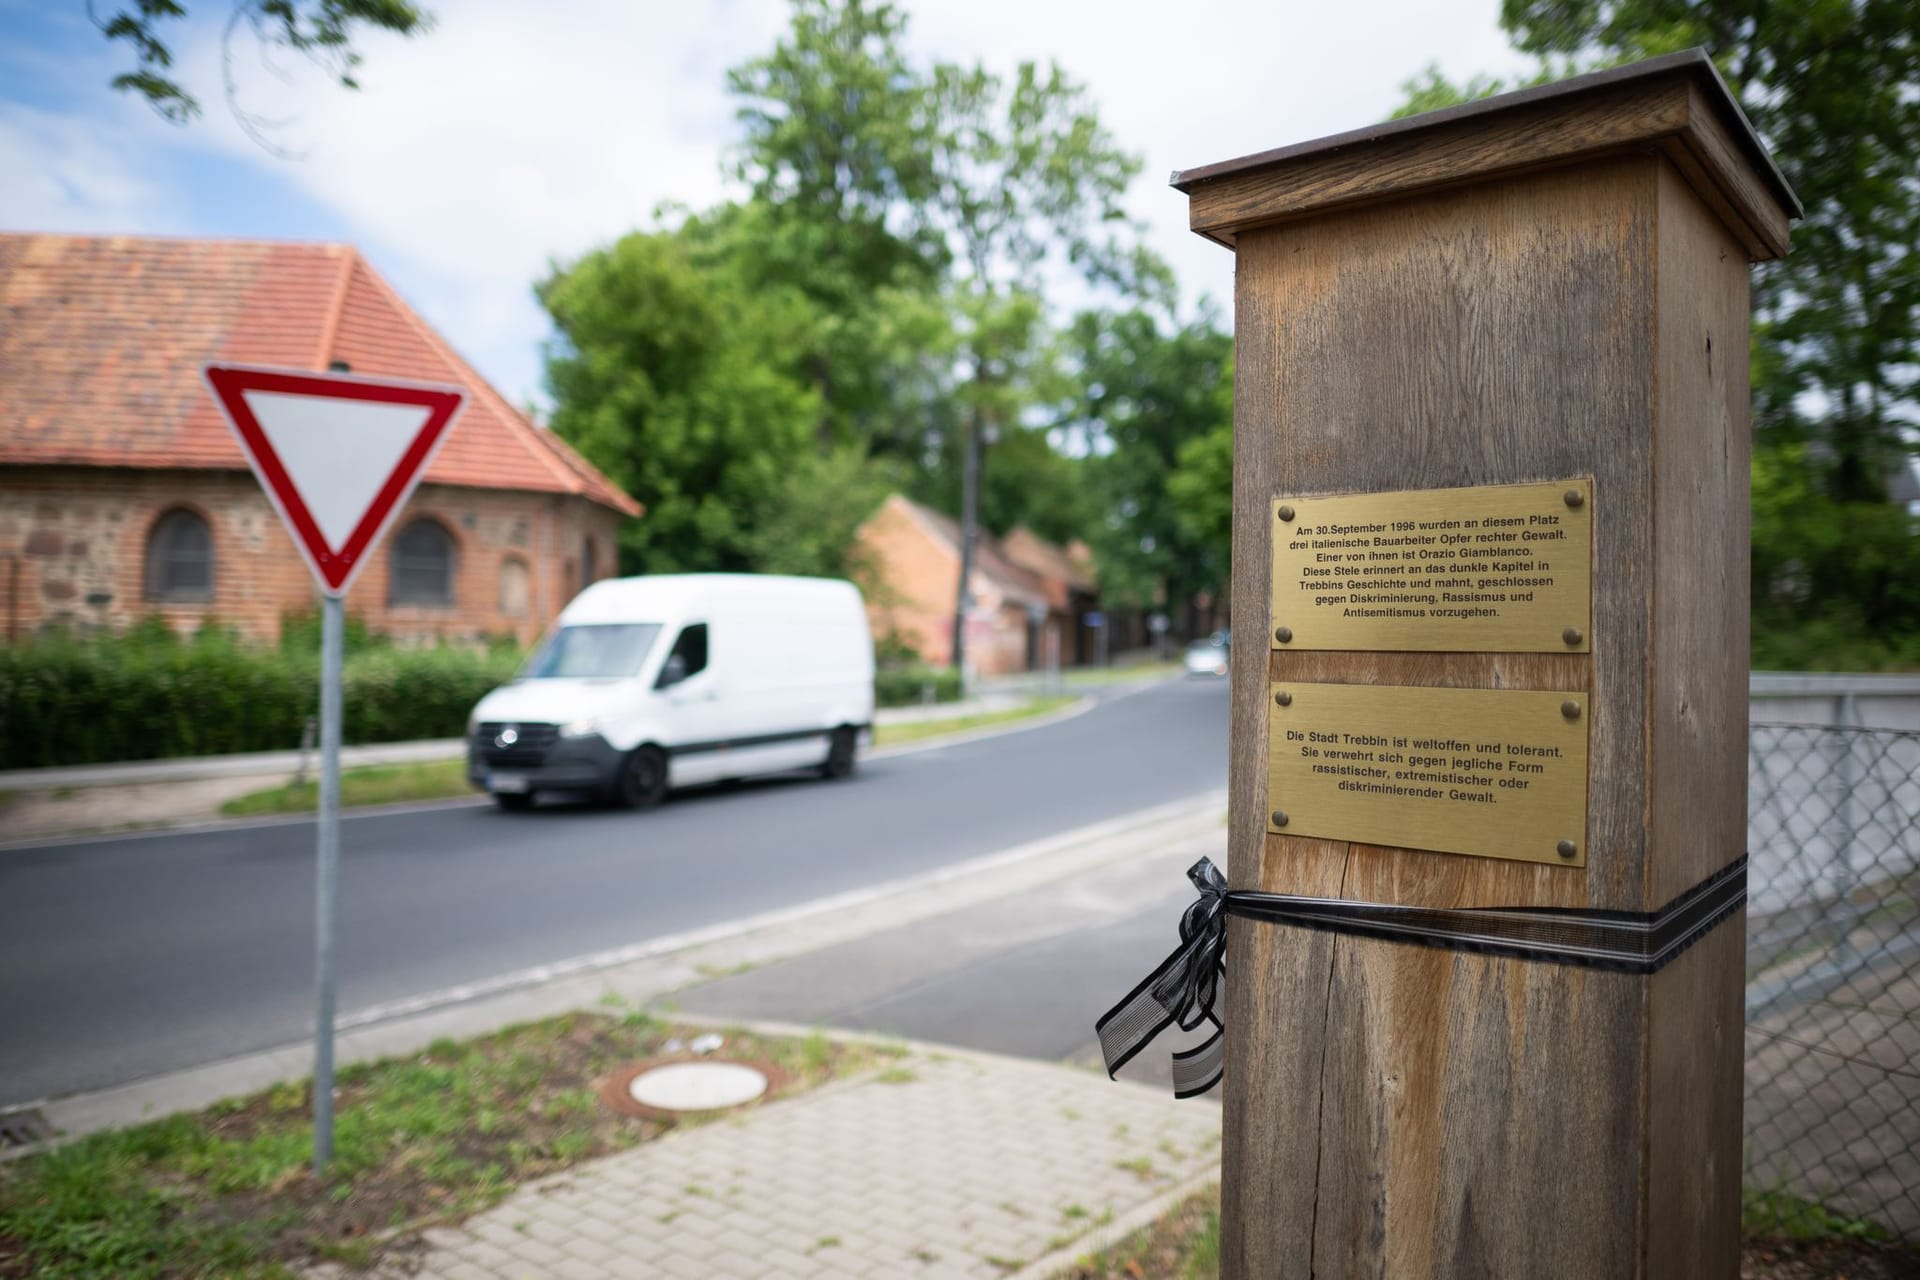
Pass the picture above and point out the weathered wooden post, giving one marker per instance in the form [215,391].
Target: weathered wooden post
[1491,501]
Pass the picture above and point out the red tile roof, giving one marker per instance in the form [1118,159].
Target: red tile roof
[102,339]
[1013,580]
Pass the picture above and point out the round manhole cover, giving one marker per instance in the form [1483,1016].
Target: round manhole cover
[697,1086]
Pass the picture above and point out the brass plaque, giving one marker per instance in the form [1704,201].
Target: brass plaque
[1499,568]
[1499,773]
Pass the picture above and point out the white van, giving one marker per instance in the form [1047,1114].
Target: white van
[657,682]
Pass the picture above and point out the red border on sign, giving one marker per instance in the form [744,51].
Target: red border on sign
[334,567]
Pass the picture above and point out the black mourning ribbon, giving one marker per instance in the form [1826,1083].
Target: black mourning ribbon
[1183,989]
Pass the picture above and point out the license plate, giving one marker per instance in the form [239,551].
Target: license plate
[507,783]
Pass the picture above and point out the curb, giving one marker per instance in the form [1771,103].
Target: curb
[1081,706]
[640,973]
[1111,1234]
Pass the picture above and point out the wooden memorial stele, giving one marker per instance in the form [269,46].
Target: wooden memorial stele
[1545,288]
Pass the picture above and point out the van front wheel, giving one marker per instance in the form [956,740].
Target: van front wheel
[840,753]
[642,782]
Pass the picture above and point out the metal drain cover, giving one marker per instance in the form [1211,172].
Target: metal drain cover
[697,1086]
[23,1128]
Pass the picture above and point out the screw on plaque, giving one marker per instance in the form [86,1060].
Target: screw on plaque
[1284,698]
[1284,635]
[1574,498]
[1570,709]
[1279,818]
[1571,635]
[1286,513]
[1566,848]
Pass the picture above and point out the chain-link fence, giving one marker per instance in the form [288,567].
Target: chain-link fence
[1833,979]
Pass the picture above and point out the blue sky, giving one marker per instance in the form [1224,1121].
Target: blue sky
[516,134]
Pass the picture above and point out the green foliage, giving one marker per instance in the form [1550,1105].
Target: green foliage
[1147,394]
[1836,585]
[321,30]
[761,374]
[1834,89]
[676,378]
[1777,1214]
[907,685]
[144,695]
[1201,487]
[808,522]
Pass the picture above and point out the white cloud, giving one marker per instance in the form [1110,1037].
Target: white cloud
[513,134]
[71,173]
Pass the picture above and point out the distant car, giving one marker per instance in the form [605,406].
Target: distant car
[1207,657]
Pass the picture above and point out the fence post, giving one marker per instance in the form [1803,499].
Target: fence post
[1845,912]
[1532,309]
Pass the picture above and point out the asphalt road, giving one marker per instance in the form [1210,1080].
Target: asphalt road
[122,958]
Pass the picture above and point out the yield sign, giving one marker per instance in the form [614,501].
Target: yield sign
[337,454]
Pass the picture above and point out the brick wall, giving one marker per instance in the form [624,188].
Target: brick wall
[910,593]
[73,554]
[912,580]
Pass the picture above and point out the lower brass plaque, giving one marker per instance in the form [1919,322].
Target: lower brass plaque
[1497,773]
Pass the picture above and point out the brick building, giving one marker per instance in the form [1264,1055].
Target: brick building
[123,494]
[1031,599]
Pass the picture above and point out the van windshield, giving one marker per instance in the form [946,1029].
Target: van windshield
[597,652]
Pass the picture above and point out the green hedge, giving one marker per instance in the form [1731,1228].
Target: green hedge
[148,695]
[145,695]
[906,686]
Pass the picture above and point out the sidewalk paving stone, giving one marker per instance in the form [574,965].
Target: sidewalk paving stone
[972,1168]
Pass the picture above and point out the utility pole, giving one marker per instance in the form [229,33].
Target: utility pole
[969,534]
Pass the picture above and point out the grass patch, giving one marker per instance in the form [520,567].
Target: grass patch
[372,784]
[1184,1244]
[1080,678]
[889,735]
[1782,1215]
[418,1140]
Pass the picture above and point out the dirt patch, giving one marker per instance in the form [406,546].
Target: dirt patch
[1827,1260]
[68,811]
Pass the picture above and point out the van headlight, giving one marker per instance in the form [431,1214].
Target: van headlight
[580,728]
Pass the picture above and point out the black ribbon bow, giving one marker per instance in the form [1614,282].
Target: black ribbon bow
[1184,987]
[1182,990]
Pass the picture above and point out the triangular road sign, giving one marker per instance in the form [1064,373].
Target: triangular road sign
[337,454]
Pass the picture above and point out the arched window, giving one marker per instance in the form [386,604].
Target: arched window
[180,558]
[422,566]
[588,570]
[515,587]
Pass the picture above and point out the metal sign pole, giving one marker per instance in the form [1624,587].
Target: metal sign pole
[328,875]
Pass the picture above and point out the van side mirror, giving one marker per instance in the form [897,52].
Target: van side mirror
[673,672]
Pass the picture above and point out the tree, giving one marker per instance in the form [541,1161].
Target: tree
[1834,90]
[1027,178]
[322,30]
[676,379]
[837,153]
[681,373]
[1153,401]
